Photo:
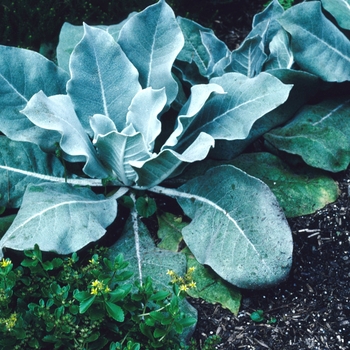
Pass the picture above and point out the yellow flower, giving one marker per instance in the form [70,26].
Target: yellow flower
[170,273]
[96,283]
[94,291]
[183,287]
[93,261]
[98,286]
[191,269]
[4,263]
[192,284]
[9,322]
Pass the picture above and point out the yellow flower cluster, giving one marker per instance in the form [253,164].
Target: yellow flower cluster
[98,287]
[186,282]
[5,262]
[9,322]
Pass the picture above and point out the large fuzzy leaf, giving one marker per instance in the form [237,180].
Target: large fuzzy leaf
[203,48]
[304,84]
[143,114]
[156,169]
[118,150]
[105,83]
[237,227]
[57,113]
[194,49]
[59,218]
[319,47]
[230,116]
[281,55]
[152,39]
[22,163]
[70,35]
[300,191]
[22,74]
[319,134]
[340,10]
[249,58]
[199,96]
[265,23]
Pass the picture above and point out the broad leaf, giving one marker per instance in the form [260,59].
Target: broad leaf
[156,169]
[237,227]
[22,163]
[219,54]
[265,23]
[231,116]
[54,216]
[203,48]
[281,56]
[119,150]
[22,74]
[200,94]
[305,85]
[152,39]
[300,191]
[249,58]
[319,134]
[340,10]
[170,231]
[213,289]
[319,47]
[143,114]
[57,113]
[70,35]
[194,50]
[272,11]
[106,83]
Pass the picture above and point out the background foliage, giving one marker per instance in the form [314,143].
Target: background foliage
[29,23]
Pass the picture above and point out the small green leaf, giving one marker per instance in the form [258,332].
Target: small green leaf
[170,227]
[146,330]
[257,316]
[156,315]
[146,206]
[187,321]
[120,293]
[150,322]
[81,296]
[161,295]
[123,276]
[158,333]
[114,311]
[84,305]
[47,266]
[29,263]
[5,222]
[126,202]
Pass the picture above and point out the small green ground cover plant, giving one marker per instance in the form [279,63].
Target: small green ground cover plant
[158,107]
[64,303]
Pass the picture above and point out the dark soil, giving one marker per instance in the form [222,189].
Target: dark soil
[311,309]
